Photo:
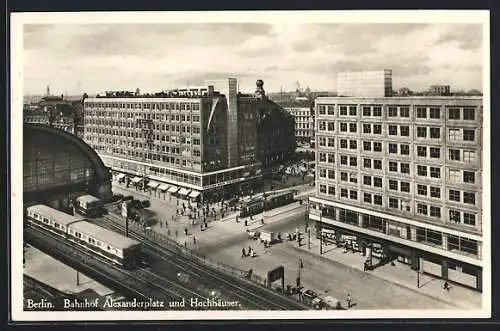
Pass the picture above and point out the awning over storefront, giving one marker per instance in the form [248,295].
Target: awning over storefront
[184,191]
[163,187]
[194,194]
[173,189]
[153,184]
[136,179]
[120,176]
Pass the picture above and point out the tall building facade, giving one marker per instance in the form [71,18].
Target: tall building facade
[196,142]
[403,177]
[376,83]
[303,114]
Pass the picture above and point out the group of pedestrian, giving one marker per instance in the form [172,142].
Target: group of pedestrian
[251,252]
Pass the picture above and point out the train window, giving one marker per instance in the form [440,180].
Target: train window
[109,248]
[56,225]
[78,235]
[45,220]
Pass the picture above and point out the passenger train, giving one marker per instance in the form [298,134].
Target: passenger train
[110,245]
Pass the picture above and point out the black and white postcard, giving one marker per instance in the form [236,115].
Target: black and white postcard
[250,165]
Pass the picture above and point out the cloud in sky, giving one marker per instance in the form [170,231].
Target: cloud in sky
[74,58]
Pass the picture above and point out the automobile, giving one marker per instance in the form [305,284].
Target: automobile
[145,203]
[254,235]
[128,198]
[308,295]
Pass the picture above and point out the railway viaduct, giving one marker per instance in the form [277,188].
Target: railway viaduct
[59,166]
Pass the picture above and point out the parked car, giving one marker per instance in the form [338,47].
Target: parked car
[254,235]
[145,203]
[308,295]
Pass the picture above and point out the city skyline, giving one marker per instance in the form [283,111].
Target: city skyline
[73,58]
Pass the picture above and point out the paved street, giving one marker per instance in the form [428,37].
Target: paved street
[334,274]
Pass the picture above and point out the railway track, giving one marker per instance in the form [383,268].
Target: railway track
[249,295]
[153,287]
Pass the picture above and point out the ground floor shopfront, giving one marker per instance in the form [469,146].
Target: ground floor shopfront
[380,248]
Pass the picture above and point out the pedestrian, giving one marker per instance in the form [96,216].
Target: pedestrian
[348,300]
[194,240]
[201,226]
[166,223]
[206,225]
[246,222]
[301,264]
[161,224]
[186,231]
[243,253]
[446,286]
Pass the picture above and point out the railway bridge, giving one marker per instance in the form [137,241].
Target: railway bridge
[58,166]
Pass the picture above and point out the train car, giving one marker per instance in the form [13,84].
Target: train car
[88,205]
[278,199]
[50,219]
[114,247]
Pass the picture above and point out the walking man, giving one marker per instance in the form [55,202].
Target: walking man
[348,300]
[186,231]
[243,253]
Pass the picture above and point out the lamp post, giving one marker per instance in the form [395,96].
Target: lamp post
[309,237]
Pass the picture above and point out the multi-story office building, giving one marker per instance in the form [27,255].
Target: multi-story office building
[402,177]
[439,90]
[377,83]
[195,142]
[302,112]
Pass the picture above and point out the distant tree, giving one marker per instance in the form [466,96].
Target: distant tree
[474,92]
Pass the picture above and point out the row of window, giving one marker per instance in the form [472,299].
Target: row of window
[456,176]
[422,209]
[129,133]
[144,105]
[115,120]
[421,112]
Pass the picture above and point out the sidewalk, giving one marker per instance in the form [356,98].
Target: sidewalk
[399,274]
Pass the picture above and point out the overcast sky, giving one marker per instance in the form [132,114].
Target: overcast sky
[93,58]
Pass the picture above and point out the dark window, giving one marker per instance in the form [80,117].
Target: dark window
[435,172]
[377,147]
[469,219]
[367,146]
[353,161]
[367,180]
[377,111]
[422,170]
[393,166]
[377,181]
[353,195]
[422,151]
[435,113]
[377,164]
[454,113]
[435,192]
[367,197]
[343,176]
[469,135]
[393,185]
[435,152]
[435,212]
[405,149]
[422,189]
[367,163]
[343,127]
[367,128]
[404,112]
[393,112]
[352,111]
[421,112]
[454,195]
[469,114]
[405,187]
[393,148]
[353,144]
[343,143]
[435,133]
[393,130]
[404,130]
[421,209]
[470,197]
[421,132]
[377,129]
[367,111]
[469,177]
[393,203]
[343,159]
[343,193]
[377,199]
[454,154]
[353,127]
